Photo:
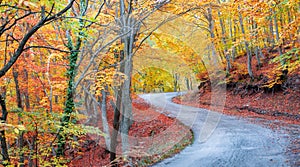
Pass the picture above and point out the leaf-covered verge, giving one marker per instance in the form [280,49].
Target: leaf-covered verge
[156,137]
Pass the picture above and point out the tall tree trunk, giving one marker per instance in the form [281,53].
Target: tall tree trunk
[212,34]
[271,28]
[4,149]
[104,120]
[19,104]
[126,108]
[18,92]
[281,20]
[117,113]
[31,151]
[290,19]
[129,24]
[175,81]
[187,83]
[227,56]
[277,31]
[26,93]
[126,94]
[278,37]
[116,126]
[249,56]
[69,104]
[232,36]
[257,57]
[257,48]
[71,74]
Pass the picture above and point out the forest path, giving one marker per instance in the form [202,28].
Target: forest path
[222,140]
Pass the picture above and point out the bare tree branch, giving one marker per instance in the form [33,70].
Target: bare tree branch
[46,47]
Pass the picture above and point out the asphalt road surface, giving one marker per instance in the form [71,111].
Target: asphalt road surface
[222,140]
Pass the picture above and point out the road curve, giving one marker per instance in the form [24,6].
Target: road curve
[222,140]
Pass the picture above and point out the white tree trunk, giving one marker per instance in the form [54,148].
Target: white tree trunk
[104,120]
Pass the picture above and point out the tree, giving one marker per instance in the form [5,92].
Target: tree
[45,18]
[17,42]
[130,16]
[76,36]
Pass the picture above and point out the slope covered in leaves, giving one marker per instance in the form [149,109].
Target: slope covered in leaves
[265,96]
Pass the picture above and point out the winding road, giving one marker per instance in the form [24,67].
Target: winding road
[222,140]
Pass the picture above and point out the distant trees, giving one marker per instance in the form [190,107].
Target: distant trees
[237,27]
[154,79]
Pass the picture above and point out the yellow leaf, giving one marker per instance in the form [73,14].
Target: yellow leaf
[26,3]
[122,46]
[42,3]
[16,130]
[21,127]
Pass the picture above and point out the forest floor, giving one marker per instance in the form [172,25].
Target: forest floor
[270,106]
[150,131]
[265,96]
